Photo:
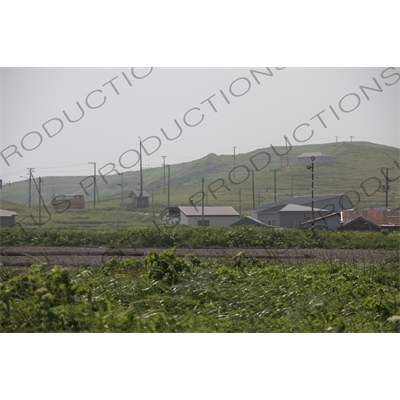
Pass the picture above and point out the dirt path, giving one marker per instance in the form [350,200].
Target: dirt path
[20,258]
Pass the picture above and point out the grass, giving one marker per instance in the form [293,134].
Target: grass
[237,294]
[195,237]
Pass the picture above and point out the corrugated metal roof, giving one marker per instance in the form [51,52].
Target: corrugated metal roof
[6,213]
[297,207]
[208,211]
[297,200]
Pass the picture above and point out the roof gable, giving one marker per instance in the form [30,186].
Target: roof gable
[136,193]
[249,221]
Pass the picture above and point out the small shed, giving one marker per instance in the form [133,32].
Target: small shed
[7,218]
[360,224]
[136,199]
[319,157]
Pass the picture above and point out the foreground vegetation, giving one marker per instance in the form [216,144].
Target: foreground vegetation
[181,236]
[164,293]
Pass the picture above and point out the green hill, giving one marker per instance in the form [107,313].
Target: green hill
[355,167]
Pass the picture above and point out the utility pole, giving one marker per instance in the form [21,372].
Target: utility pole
[30,186]
[336,138]
[386,175]
[40,201]
[168,183]
[275,184]
[97,191]
[141,175]
[164,170]
[234,160]
[122,186]
[312,191]
[202,202]
[95,184]
[351,139]
[252,181]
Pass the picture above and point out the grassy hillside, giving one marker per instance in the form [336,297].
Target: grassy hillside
[355,167]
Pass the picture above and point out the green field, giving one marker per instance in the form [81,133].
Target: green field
[202,237]
[165,293]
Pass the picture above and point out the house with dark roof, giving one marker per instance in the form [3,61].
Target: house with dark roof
[194,216]
[319,157]
[359,224]
[290,213]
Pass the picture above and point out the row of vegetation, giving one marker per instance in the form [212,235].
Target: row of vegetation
[164,293]
[195,237]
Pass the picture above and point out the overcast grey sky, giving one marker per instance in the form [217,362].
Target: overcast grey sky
[224,107]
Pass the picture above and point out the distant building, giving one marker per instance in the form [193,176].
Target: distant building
[63,202]
[319,157]
[136,199]
[359,224]
[290,213]
[7,218]
[192,216]
[376,216]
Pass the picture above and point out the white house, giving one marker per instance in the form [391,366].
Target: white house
[193,216]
